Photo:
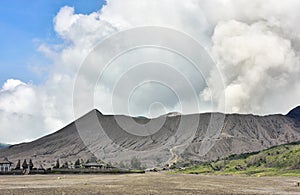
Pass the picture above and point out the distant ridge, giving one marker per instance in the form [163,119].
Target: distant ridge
[4,145]
[295,113]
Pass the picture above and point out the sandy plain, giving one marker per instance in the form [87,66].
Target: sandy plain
[149,183]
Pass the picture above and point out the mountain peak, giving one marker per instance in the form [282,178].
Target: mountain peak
[294,113]
[96,110]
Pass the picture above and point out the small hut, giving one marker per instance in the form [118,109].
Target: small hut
[5,165]
[93,164]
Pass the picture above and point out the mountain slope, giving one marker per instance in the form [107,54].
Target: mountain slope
[240,134]
[278,160]
[248,133]
[64,144]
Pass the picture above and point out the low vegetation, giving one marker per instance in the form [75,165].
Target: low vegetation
[281,160]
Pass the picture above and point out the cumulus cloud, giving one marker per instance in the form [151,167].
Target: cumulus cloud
[17,110]
[255,45]
[28,111]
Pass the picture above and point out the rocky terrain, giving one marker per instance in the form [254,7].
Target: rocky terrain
[166,139]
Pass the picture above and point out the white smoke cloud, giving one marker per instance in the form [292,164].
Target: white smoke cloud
[257,62]
[254,43]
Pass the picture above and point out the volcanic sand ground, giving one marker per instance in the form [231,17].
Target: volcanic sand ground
[149,183]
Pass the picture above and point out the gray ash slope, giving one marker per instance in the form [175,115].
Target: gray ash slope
[239,134]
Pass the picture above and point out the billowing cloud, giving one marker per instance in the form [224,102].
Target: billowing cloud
[255,45]
[257,62]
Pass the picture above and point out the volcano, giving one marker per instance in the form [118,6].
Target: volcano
[166,139]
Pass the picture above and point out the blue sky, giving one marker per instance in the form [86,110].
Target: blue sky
[26,24]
